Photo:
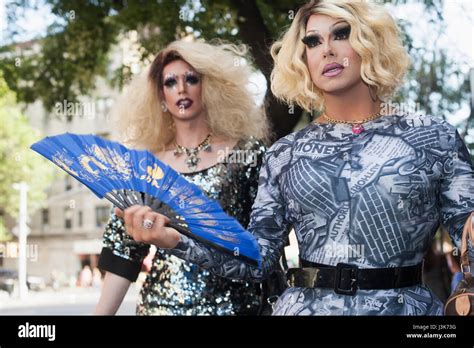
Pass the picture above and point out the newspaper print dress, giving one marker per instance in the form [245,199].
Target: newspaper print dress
[373,199]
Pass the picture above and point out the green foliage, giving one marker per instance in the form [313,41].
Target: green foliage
[75,50]
[73,53]
[17,161]
[5,236]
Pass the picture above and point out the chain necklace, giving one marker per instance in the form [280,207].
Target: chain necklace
[192,159]
[357,126]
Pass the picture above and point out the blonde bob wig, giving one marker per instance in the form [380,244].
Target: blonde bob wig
[374,36]
[230,107]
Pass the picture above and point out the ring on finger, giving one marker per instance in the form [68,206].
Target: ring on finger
[147,224]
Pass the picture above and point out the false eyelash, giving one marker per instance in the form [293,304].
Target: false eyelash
[192,79]
[343,31]
[310,40]
[169,82]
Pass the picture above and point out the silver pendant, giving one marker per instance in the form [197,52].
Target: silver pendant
[192,159]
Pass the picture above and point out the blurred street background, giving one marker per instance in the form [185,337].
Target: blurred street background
[66,301]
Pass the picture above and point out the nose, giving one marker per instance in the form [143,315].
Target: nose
[181,85]
[327,49]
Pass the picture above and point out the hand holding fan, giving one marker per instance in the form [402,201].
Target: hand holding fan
[128,177]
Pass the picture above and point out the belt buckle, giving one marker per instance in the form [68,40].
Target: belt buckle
[353,269]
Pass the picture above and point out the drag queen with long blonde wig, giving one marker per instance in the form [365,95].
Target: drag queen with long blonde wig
[365,186]
[192,108]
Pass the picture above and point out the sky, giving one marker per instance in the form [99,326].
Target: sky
[458,37]
[35,22]
[460,29]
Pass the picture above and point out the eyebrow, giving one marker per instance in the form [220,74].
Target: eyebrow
[189,72]
[330,27]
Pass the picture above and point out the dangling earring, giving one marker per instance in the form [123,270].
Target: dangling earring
[164,108]
[311,113]
[373,97]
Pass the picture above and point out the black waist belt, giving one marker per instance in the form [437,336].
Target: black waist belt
[346,279]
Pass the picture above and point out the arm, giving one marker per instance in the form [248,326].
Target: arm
[250,176]
[267,223]
[121,258]
[121,254]
[113,291]
[457,189]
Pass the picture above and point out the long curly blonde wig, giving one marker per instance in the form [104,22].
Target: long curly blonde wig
[231,109]
[374,36]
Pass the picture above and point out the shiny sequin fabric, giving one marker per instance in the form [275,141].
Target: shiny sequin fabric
[177,287]
[374,200]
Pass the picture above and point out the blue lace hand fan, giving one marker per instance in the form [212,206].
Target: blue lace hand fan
[127,177]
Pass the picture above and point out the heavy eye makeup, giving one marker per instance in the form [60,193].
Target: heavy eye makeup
[313,40]
[170,82]
[190,78]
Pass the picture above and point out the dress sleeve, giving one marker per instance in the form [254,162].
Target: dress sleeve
[457,188]
[267,223]
[120,254]
[250,174]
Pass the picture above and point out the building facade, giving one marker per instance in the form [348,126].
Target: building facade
[66,233]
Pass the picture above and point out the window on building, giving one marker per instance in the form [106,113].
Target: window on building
[45,217]
[79,218]
[102,215]
[67,218]
[68,183]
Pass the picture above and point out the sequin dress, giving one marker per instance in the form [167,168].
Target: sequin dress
[374,200]
[177,287]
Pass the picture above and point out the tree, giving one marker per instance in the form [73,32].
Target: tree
[75,48]
[17,161]
[5,236]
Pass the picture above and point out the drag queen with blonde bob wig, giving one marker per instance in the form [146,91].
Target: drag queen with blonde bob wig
[373,38]
[365,186]
[192,108]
